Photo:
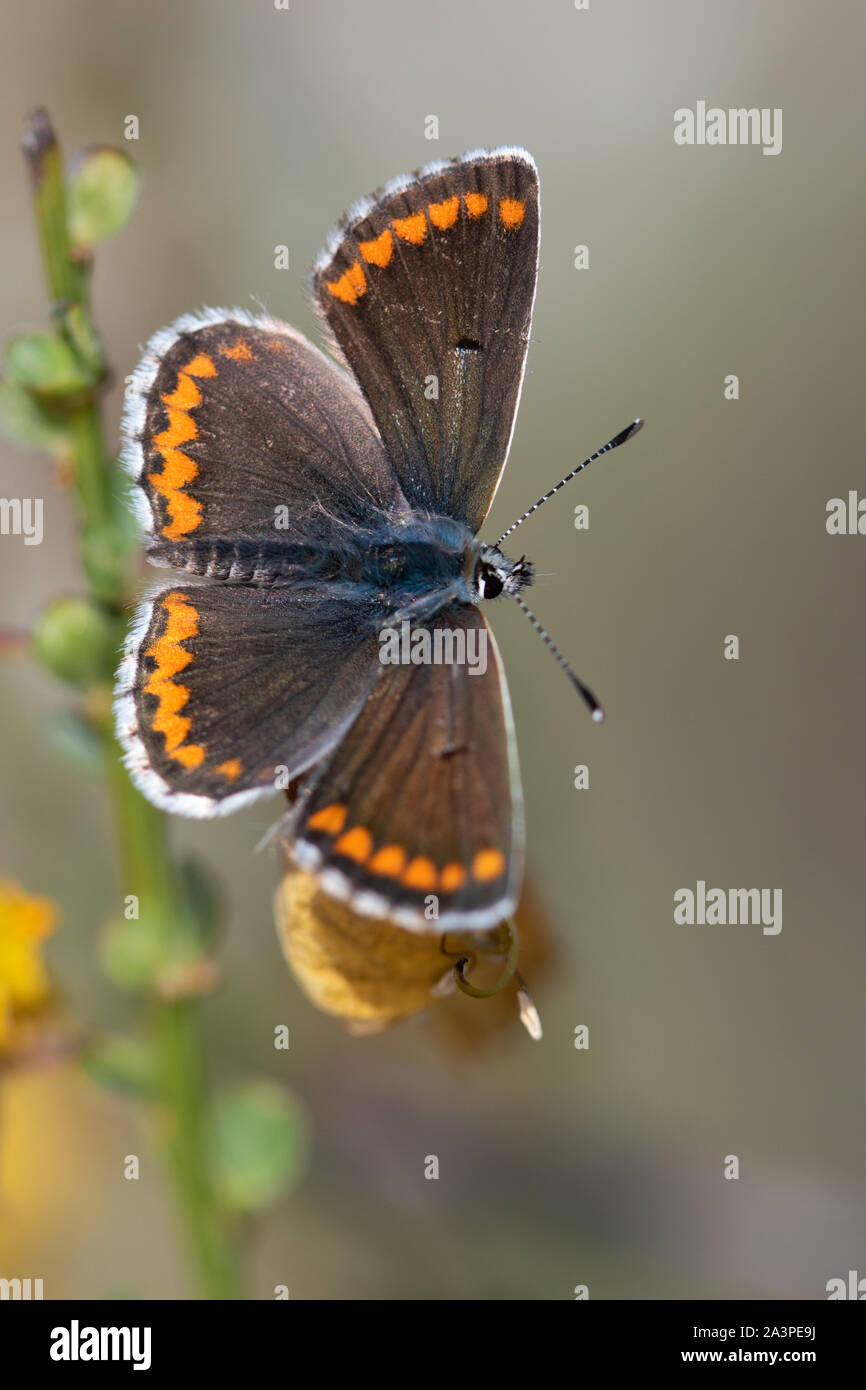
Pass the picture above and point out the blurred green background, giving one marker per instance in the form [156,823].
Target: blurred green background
[557,1167]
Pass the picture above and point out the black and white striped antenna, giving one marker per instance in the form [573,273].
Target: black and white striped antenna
[583,690]
[624,435]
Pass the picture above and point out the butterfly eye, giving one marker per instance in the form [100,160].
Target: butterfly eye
[489,584]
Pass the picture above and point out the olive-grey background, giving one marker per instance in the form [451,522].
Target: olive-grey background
[558,1167]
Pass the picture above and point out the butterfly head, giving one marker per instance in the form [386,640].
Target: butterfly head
[493,573]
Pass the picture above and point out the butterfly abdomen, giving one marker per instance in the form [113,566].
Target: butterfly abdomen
[246,561]
[382,563]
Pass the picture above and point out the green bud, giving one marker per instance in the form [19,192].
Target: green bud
[77,640]
[45,364]
[26,422]
[122,1064]
[131,951]
[102,190]
[157,953]
[260,1144]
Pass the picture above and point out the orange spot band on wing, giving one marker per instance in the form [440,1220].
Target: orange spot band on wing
[487,864]
[388,861]
[380,250]
[185,396]
[476,204]
[239,351]
[444,215]
[202,365]
[412,228]
[330,819]
[178,469]
[511,212]
[181,429]
[420,873]
[356,844]
[231,769]
[171,658]
[453,876]
[351,284]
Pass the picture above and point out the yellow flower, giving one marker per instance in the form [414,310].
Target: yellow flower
[25,921]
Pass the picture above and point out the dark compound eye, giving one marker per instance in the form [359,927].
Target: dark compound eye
[490,584]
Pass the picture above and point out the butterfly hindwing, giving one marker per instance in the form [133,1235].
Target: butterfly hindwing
[428,290]
[227,692]
[421,803]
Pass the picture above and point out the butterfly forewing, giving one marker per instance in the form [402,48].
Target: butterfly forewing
[236,424]
[428,291]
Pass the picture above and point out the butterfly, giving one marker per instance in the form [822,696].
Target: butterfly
[322,508]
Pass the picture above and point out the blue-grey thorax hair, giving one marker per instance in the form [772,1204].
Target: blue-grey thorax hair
[403,566]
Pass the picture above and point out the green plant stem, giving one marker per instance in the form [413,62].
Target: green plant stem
[44,161]
[91,468]
[180,1064]
[142,836]
[141,830]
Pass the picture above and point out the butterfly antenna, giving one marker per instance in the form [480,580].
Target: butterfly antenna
[628,433]
[584,691]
